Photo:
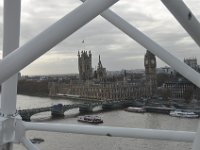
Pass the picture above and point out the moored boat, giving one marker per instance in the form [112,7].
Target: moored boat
[136,109]
[90,119]
[184,114]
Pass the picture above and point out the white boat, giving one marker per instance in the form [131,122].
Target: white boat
[68,95]
[184,114]
[72,95]
[90,119]
[136,109]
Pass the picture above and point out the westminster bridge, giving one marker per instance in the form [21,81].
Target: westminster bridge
[83,107]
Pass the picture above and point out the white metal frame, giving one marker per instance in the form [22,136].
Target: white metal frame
[12,128]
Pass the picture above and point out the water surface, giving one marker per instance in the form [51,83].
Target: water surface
[64,141]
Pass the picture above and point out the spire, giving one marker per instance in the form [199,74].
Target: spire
[99,64]
[78,54]
[90,55]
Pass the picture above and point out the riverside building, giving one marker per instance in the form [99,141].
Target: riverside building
[95,85]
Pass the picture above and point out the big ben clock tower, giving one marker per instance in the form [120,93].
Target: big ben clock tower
[150,72]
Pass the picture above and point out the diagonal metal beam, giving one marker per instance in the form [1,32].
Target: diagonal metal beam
[156,49]
[57,32]
[152,46]
[189,22]
[185,17]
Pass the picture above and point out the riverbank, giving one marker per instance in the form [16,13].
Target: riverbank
[74,98]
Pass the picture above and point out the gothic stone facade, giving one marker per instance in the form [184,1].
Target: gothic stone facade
[103,91]
[85,65]
[178,90]
[100,73]
[150,72]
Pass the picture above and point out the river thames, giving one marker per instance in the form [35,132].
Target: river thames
[121,118]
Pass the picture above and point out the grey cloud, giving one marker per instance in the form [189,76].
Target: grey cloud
[118,51]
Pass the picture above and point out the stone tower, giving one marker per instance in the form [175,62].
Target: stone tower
[150,72]
[85,65]
[100,73]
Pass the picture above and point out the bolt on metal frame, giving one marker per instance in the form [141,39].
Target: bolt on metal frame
[12,128]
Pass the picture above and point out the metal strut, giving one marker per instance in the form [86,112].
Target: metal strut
[21,57]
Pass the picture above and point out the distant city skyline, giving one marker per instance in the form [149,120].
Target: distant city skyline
[117,50]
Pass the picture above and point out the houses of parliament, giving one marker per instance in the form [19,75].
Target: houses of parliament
[96,84]
[86,70]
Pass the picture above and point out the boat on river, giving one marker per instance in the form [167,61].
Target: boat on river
[90,119]
[183,114]
[136,109]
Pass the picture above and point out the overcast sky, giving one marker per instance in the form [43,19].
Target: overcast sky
[117,50]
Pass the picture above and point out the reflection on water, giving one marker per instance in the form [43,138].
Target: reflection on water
[63,141]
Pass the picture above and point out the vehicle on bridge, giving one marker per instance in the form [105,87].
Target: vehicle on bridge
[90,119]
[57,110]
